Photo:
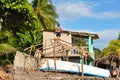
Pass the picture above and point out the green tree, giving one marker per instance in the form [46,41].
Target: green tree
[79,41]
[82,42]
[20,20]
[112,49]
[46,13]
[111,52]
[5,48]
[97,53]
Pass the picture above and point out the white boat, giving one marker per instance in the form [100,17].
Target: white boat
[71,67]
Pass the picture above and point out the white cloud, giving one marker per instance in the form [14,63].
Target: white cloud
[107,15]
[105,37]
[72,11]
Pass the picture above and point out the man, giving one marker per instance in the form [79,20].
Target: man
[115,71]
[58,31]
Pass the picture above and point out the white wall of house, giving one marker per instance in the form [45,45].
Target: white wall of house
[48,40]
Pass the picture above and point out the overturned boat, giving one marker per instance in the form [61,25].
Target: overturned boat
[71,67]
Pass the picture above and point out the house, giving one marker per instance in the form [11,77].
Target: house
[66,49]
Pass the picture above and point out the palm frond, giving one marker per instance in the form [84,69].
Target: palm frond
[6,49]
[46,13]
[5,34]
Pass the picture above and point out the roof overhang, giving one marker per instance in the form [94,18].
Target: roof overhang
[77,34]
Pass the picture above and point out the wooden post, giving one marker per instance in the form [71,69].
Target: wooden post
[30,51]
[82,64]
[45,46]
[63,52]
[54,56]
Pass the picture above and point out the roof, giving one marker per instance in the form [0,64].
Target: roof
[77,34]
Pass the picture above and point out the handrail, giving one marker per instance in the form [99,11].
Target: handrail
[61,42]
[49,47]
[65,45]
[32,46]
[52,51]
[66,42]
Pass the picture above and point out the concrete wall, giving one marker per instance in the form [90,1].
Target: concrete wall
[23,60]
[48,40]
[26,62]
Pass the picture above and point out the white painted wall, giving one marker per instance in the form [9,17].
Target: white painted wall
[48,39]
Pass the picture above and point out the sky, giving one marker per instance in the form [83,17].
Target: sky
[95,16]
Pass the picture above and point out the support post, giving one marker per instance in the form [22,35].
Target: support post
[54,57]
[45,46]
[82,65]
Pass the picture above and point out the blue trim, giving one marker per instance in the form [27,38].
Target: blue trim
[71,71]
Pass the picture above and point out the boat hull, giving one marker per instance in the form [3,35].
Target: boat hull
[64,66]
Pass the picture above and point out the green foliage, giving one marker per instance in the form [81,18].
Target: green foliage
[5,49]
[18,14]
[97,53]
[21,26]
[46,13]
[20,20]
[4,35]
[2,59]
[29,38]
[13,41]
[115,43]
[79,41]
[112,49]
[9,59]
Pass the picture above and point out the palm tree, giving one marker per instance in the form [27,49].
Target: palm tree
[112,52]
[46,13]
[5,48]
[112,49]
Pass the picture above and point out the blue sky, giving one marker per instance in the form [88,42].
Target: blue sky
[95,16]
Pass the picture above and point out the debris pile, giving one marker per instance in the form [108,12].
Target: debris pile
[5,73]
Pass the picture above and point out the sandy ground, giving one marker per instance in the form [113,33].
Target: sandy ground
[21,74]
[40,75]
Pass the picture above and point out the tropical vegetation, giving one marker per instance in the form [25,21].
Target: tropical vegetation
[46,13]
[23,23]
[83,42]
[113,49]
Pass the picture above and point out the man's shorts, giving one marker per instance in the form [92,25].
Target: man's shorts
[58,34]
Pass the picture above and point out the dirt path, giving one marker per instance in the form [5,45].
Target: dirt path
[20,74]
[40,75]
